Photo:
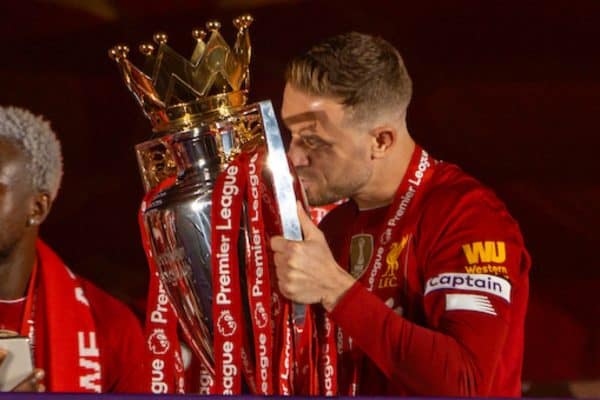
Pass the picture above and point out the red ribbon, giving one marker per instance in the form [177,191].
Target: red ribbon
[165,367]
[419,171]
[272,330]
[228,323]
[259,280]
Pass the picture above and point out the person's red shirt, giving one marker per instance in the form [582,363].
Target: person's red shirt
[453,322]
[119,335]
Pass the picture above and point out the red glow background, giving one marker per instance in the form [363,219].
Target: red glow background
[509,90]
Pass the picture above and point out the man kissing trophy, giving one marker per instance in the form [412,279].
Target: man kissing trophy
[218,185]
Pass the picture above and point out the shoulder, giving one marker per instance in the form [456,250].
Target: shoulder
[120,339]
[454,194]
[470,251]
[460,218]
[104,306]
[118,328]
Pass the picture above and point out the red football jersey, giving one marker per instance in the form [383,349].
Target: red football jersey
[120,339]
[446,315]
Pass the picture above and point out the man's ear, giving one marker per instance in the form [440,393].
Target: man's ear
[40,207]
[382,139]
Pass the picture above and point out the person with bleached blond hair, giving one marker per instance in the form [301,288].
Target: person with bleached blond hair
[81,339]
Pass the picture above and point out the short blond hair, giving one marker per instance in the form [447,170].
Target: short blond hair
[365,73]
[33,135]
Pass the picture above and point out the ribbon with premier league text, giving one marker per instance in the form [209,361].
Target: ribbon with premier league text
[259,358]
[165,366]
[258,276]
[228,324]
[334,342]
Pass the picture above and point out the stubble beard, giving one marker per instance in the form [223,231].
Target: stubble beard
[322,195]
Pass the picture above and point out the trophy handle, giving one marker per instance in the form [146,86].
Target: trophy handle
[284,189]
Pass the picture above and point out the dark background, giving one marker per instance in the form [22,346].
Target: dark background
[507,89]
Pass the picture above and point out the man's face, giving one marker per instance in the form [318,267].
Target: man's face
[15,196]
[331,157]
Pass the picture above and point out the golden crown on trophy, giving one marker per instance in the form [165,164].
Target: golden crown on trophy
[174,91]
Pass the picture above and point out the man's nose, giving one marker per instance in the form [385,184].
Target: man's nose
[297,154]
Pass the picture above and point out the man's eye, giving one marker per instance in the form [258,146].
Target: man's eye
[308,141]
[311,142]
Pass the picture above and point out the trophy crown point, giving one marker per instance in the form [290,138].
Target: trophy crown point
[160,38]
[199,34]
[112,53]
[118,52]
[172,88]
[146,49]
[243,21]
[213,25]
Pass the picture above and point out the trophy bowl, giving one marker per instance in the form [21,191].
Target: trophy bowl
[217,184]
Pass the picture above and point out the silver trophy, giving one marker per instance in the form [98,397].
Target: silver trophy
[198,110]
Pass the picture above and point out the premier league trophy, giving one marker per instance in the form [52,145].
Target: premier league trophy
[209,210]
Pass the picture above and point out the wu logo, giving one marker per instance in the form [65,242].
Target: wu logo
[485,252]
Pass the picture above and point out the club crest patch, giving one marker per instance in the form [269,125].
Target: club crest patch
[390,276]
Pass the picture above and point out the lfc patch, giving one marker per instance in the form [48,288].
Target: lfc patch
[390,276]
[361,250]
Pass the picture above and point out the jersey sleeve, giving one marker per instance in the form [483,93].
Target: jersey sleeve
[471,261]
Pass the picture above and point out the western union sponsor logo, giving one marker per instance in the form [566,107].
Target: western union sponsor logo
[485,252]
[487,269]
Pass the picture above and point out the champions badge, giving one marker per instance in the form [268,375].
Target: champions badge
[361,250]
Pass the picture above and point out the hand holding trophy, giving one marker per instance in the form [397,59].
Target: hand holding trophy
[218,185]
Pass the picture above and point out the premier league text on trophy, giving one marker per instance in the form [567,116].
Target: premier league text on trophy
[212,200]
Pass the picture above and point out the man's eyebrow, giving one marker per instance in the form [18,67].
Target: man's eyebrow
[307,116]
